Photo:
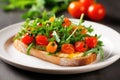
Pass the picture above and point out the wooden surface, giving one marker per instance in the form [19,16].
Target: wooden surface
[111,72]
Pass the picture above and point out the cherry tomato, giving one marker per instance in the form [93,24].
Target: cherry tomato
[66,19]
[91,42]
[87,3]
[96,12]
[80,46]
[84,31]
[66,22]
[41,40]
[27,39]
[67,48]
[51,47]
[75,9]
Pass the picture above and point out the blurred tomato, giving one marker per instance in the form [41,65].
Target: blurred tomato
[87,3]
[75,9]
[96,12]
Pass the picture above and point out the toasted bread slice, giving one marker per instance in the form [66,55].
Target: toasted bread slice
[20,46]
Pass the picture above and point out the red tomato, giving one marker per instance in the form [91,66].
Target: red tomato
[66,19]
[91,42]
[75,9]
[87,3]
[96,12]
[27,39]
[41,40]
[66,22]
[67,48]
[80,46]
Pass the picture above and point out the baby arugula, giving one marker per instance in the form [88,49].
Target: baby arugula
[54,30]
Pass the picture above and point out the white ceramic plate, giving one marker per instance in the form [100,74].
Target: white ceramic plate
[13,57]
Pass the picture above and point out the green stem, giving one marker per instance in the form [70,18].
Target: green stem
[81,20]
[29,48]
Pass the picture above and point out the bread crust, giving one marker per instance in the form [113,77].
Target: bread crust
[55,59]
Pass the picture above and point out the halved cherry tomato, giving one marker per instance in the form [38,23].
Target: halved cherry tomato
[66,22]
[67,48]
[96,12]
[51,47]
[91,41]
[66,19]
[80,46]
[41,40]
[27,38]
[83,31]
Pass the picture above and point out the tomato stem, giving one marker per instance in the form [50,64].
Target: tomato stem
[81,18]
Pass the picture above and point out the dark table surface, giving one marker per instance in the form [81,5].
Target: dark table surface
[111,72]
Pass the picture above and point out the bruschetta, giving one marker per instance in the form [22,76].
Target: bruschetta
[59,41]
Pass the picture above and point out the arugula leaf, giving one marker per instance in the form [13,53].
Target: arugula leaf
[95,50]
[80,22]
[90,29]
[101,53]
[59,33]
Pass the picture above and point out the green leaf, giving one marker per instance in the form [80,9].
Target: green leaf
[93,50]
[96,50]
[90,29]
[101,53]
[80,22]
